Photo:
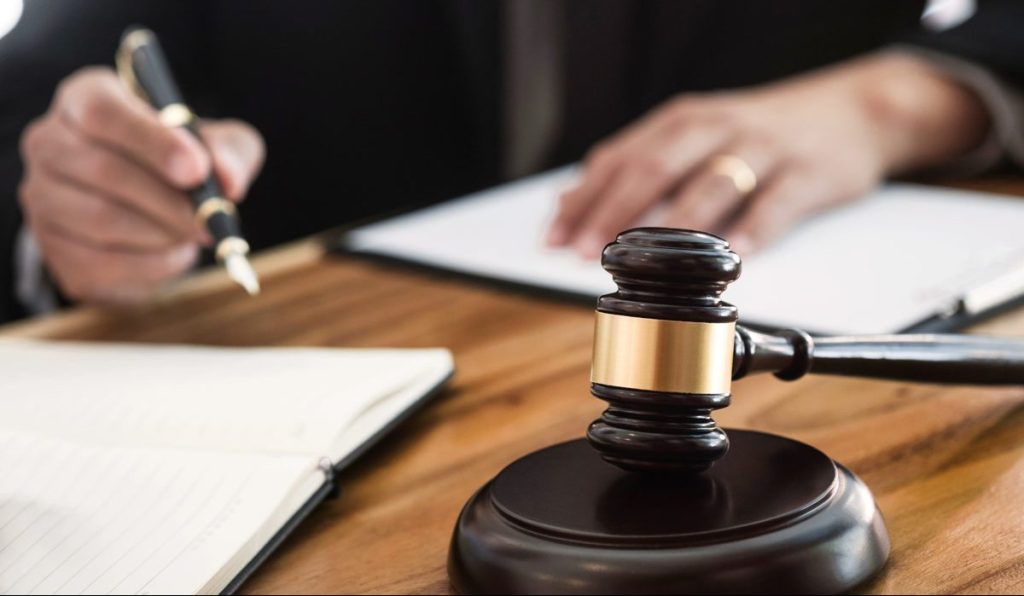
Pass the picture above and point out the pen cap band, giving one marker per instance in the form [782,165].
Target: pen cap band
[130,41]
[213,206]
[232,245]
[175,115]
[141,63]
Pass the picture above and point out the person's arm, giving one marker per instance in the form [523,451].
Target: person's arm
[983,53]
[104,190]
[803,144]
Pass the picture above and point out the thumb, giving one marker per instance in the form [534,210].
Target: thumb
[237,150]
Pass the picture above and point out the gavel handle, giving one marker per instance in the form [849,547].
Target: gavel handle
[957,359]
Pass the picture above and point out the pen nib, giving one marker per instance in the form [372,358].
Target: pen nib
[242,272]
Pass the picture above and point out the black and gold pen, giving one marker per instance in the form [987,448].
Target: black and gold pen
[142,67]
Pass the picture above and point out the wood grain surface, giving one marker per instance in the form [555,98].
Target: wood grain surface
[945,463]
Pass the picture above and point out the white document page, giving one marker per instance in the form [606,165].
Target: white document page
[877,265]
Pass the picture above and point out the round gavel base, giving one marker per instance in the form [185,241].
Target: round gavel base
[773,515]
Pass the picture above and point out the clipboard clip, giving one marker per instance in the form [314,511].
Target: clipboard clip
[327,468]
[991,294]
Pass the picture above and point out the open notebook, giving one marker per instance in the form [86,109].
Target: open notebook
[172,469]
[901,256]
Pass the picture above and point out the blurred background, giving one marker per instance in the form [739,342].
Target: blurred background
[742,119]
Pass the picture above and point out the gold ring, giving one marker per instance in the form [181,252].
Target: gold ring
[737,170]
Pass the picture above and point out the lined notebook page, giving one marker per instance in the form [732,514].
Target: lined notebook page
[100,520]
[283,400]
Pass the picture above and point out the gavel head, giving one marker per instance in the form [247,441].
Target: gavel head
[663,348]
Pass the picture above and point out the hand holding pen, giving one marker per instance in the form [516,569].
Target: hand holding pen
[105,192]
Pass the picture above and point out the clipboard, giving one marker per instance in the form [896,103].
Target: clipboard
[924,259]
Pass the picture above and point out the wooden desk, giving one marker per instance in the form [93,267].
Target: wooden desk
[946,464]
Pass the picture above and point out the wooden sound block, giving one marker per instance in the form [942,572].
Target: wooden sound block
[773,515]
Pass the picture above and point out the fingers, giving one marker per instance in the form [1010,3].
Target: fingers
[599,168]
[87,272]
[55,151]
[105,184]
[630,193]
[789,197]
[238,152]
[711,196]
[82,214]
[95,103]
[620,183]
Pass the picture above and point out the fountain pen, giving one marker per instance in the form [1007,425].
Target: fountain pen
[142,67]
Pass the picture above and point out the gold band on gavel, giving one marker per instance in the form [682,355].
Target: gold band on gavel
[660,355]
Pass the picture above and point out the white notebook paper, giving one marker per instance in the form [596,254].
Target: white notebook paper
[877,265]
[131,469]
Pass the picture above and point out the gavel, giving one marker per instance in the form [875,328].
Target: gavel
[666,349]
[662,505]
